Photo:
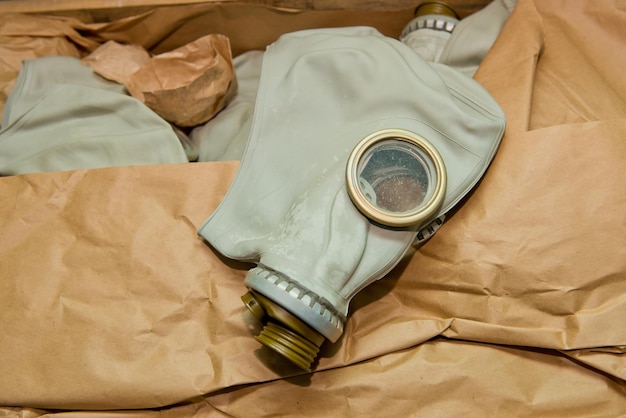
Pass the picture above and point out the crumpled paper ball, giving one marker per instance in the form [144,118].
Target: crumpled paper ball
[186,86]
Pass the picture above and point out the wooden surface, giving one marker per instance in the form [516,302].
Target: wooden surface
[108,10]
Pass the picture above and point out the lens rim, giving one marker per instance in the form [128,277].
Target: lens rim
[405,219]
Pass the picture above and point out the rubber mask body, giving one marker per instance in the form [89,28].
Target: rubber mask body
[321,92]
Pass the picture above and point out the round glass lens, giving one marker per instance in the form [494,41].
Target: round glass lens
[395,176]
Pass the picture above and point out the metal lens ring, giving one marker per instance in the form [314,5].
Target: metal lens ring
[396,178]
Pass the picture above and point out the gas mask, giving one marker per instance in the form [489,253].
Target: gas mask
[358,148]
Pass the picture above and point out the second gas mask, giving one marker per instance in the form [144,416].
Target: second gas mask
[358,148]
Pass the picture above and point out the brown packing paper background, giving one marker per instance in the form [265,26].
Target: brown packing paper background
[441,378]
[112,302]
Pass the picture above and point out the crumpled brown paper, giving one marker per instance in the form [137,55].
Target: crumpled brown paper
[186,86]
[514,308]
[117,62]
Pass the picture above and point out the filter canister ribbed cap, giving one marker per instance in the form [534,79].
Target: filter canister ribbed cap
[435,8]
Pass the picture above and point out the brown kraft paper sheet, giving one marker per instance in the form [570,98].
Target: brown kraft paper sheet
[515,307]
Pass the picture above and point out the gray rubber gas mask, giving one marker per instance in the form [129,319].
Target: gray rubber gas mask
[358,146]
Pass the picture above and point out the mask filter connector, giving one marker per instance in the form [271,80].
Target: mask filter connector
[284,333]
